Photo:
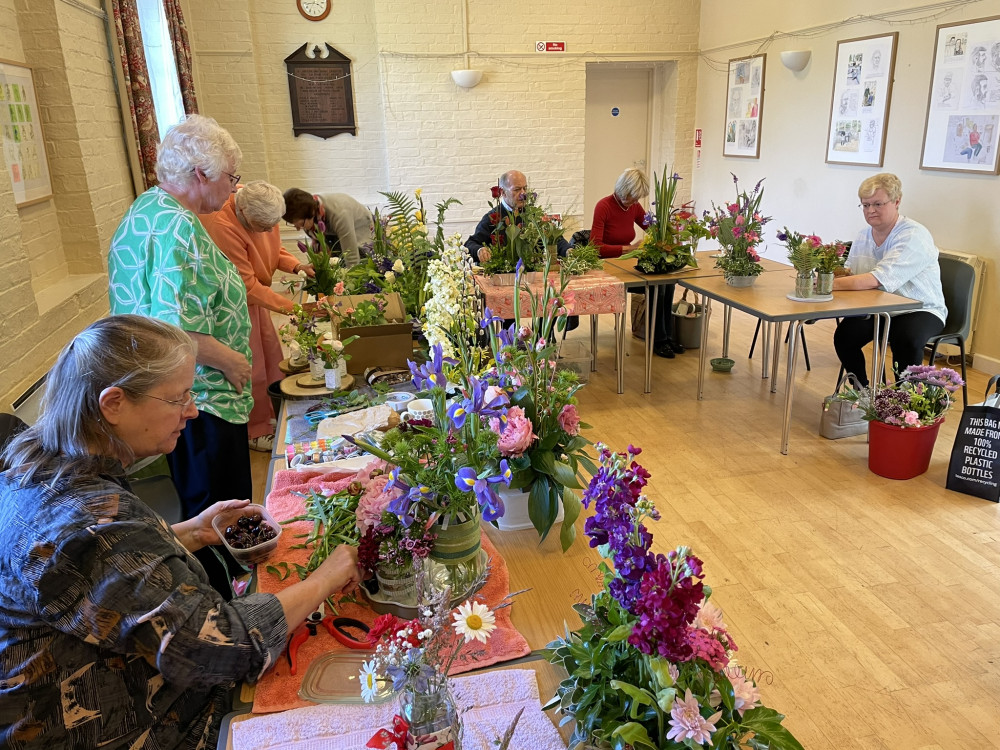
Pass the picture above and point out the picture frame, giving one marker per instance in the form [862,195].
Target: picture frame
[744,106]
[859,104]
[962,127]
[21,135]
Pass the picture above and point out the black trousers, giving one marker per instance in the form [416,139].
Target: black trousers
[908,335]
[664,314]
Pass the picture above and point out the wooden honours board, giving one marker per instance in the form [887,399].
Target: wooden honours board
[319,87]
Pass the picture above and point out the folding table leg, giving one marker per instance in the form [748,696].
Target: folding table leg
[593,343]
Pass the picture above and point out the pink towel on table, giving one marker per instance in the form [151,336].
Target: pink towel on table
[278,689]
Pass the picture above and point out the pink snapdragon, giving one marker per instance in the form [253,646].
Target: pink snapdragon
[517,435]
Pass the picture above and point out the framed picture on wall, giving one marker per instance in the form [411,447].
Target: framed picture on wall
[744,106]
[859,109]
[962,128]
[23,145]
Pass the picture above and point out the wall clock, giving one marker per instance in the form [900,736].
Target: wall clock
[313,10]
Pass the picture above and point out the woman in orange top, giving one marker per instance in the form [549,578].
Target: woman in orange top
[246,230]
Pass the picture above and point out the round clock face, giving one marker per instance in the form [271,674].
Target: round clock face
[314,10]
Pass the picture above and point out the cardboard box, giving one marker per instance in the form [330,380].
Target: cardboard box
[386,345]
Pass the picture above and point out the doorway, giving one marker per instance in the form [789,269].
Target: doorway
[617,134]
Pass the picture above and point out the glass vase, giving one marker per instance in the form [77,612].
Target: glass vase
[397,583]
[316,369]
[804,284]
[433,717]
[824,283]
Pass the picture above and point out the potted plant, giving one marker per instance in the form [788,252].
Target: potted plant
[379,321]
[652,666]
[803,254]
[904,419]
[672,234]
[738,227]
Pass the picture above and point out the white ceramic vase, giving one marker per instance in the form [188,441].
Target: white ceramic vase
[515,515]
[316,369]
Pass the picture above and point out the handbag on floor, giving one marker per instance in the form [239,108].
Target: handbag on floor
[975,457]
[639,316]
[841,418]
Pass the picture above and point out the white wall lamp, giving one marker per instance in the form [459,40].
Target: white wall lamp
[467,78]
[796,60]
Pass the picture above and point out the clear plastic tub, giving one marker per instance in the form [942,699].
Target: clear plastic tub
[257,553]
[575,355]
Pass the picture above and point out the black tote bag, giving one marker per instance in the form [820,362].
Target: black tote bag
[975,467]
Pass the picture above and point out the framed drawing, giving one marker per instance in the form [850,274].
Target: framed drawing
[23,145]
[962,128]
[744,106]
[859,109]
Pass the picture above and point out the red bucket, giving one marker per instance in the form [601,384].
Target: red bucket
[900,452]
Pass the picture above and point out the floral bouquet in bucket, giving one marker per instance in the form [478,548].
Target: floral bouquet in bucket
[652,667]
[921,396]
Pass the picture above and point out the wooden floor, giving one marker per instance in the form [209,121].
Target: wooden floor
[868,609]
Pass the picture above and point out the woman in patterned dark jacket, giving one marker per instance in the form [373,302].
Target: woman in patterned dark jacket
[110,634]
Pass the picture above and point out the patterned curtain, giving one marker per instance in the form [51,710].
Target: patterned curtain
[182,54]
[140,96]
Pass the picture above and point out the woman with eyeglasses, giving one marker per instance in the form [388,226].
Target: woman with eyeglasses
[163,264]
[897,255]
[246,230]
[347,225]
[110,634]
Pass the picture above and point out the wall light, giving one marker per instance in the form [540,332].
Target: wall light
[467,78]
[796,59]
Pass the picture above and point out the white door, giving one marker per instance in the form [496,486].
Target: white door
[617,129]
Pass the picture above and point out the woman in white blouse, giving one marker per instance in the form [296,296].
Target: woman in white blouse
[898,255]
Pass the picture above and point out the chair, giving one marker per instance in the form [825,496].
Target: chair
[802,335]
[958,279]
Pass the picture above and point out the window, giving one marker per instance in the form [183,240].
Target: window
[161,64]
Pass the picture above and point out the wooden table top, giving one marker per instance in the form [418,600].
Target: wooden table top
[706,268]
[768,298]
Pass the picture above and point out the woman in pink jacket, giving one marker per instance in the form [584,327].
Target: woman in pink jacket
[246,230]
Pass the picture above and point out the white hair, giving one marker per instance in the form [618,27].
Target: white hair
[196,142]
[261,202]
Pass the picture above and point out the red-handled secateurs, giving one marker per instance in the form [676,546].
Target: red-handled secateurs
[339,627]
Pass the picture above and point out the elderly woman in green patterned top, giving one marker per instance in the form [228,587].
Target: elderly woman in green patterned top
[164,265]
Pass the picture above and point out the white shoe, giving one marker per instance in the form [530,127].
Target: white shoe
[264,443]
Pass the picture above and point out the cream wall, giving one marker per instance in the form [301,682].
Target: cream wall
[416,128]
[52,280]
[801,190]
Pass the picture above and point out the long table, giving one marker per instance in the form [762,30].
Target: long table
[768,300]
[653,282]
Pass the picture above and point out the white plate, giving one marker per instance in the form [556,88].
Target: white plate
[822,298]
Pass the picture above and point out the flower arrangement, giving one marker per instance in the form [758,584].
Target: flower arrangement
[526,236]
[831,256]
[652,667]
[803,250]
[329,270]
[367,312]
[580,259]
[920,396]
[540,437]
[672,234]
[302,332]
[402,249]
[331,350]
[738,228]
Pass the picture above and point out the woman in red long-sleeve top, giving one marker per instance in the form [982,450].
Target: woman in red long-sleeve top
[613,232]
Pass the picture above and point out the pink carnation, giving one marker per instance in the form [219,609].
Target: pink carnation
[517,435]
[338,288]
[569,420]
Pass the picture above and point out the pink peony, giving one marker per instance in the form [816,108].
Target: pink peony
[517,435]
[569,420]
[373,503]
[687,723]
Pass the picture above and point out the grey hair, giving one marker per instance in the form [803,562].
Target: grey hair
[886,181]
[507,178]
[132,352]
[261,202]
[632,184]
[196,142]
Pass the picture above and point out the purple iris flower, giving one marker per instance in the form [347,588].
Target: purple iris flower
[431,373]
[650,218]
[507,335]
[458,411]
[372,288]
[402,506]
[782,236]
[519,268]
[489,318]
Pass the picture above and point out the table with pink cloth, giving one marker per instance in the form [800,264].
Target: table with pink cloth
[594,293]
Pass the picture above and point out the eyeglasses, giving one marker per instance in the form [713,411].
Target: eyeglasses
[877,205]
[183,403]
[233,178]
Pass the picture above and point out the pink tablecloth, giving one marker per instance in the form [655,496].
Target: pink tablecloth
[595,293]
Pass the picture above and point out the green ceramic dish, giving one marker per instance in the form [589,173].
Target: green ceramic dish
[722,364]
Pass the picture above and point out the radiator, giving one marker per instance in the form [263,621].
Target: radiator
[979,265]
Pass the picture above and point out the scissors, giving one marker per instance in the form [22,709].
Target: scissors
[314,416]
[338,627]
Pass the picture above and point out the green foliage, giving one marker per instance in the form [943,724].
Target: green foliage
[580,259]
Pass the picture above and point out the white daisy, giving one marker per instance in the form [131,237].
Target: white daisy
[474,621]
[369,682]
